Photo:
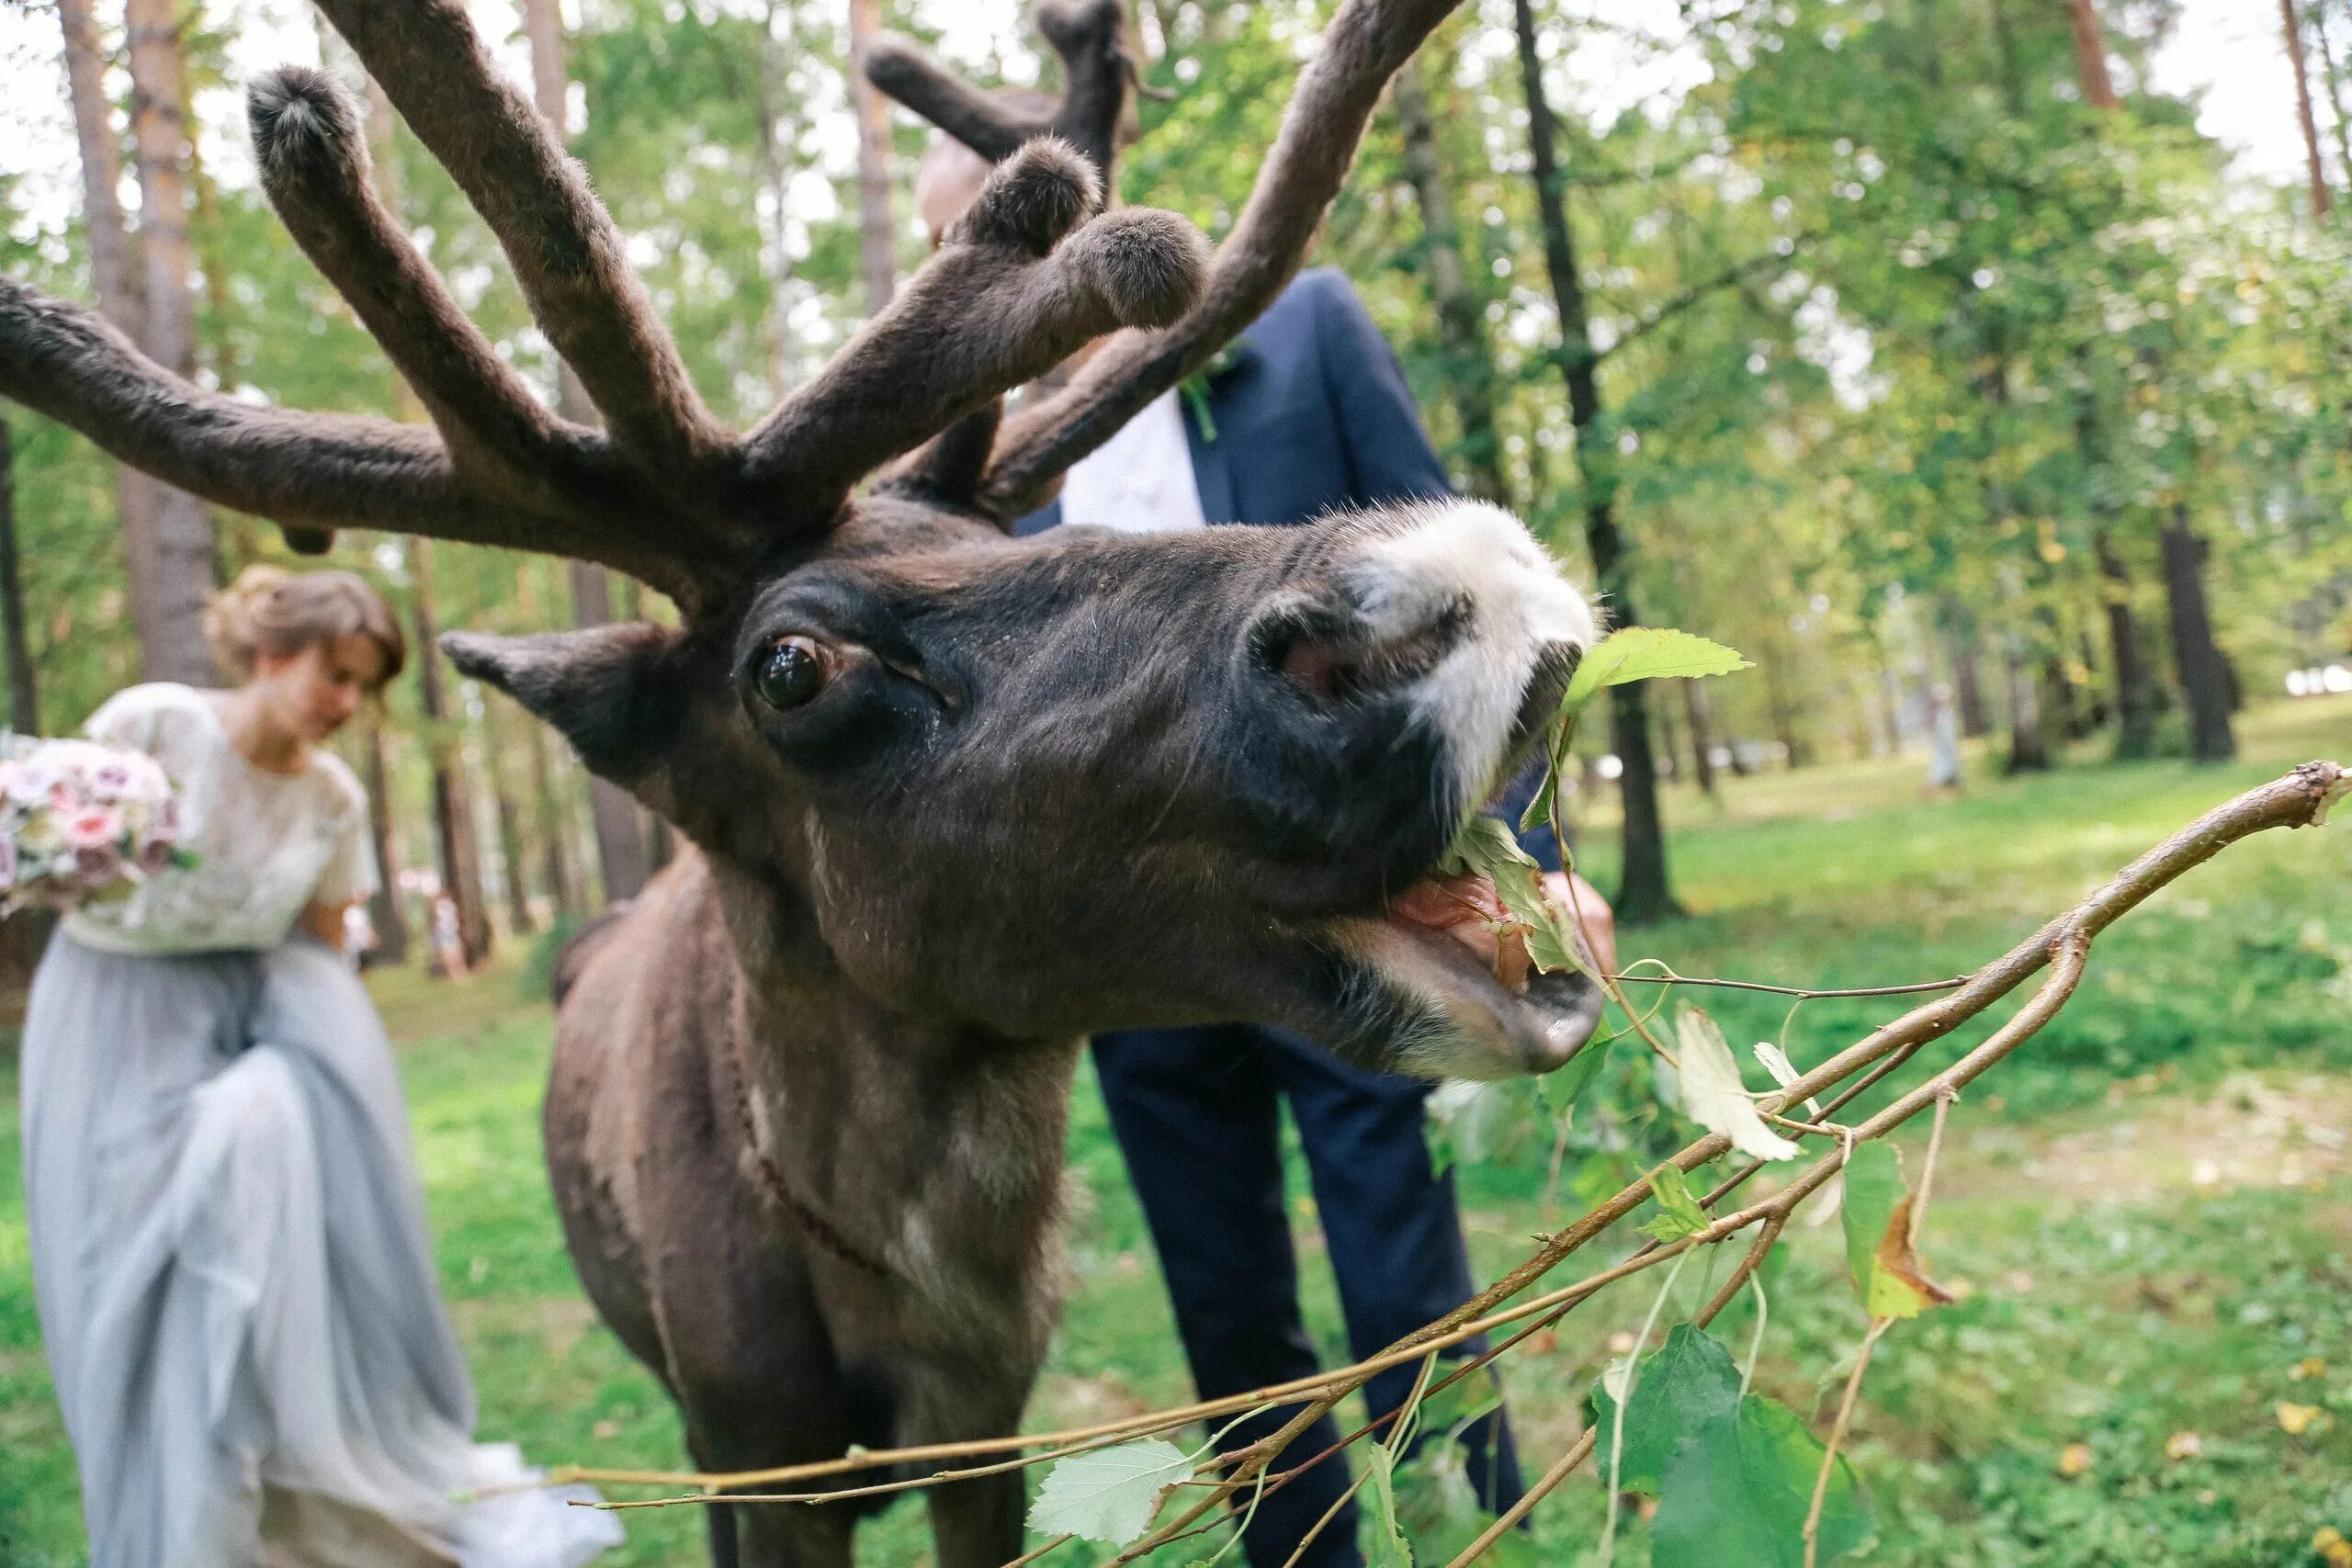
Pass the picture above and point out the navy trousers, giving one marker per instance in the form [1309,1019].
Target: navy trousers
[1197,1115]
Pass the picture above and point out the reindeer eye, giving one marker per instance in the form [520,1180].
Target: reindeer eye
[793,672]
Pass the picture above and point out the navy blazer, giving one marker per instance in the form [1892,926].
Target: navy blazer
[1312,415]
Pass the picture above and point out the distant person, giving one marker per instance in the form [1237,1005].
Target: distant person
[1944,773]
[1310,414]
[230,1257]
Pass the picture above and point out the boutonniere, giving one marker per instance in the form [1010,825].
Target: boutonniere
[1194,389]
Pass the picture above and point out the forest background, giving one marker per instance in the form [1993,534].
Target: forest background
[1907,345]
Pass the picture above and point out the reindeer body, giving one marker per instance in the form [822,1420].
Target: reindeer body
[955,799]
[903,1291]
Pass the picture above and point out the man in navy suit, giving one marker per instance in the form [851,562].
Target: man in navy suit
[1307,414]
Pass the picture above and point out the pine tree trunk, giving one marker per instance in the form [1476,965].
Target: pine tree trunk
[24,697]
[775,179]
[2342,113]
[561,870]
[878,239]
[1644,892]
[172,567]
[620,843]
[384,911]
[511,847]
[2320,197]
[2205,679]
[2090,55]
[118,274]
[1469,370]
[453,816]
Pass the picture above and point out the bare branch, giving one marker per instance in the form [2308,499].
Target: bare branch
[1005,299]
[566,253]
[1361,50]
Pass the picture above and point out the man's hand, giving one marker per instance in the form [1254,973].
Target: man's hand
[1575,897]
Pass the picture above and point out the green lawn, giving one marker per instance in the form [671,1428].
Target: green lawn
[2147,1214]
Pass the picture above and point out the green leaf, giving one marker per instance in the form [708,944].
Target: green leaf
[1876,1210]
[1388,1547]
[1734,1477]
[1109,1494]
[1685,1384]
[1485,847]
[1646,653]
[1681,1215]
[1460,1402]
[1561,1088]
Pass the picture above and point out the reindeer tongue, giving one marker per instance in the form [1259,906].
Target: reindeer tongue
[1467,908]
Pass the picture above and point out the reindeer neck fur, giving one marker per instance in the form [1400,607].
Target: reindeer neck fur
[934,1149]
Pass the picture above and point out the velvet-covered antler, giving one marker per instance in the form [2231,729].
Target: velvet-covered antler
[665,493]
[1361,49]
[1090,38]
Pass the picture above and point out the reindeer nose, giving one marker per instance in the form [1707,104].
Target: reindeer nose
[1339,655]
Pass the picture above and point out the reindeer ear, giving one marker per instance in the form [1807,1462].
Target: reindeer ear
[617,693]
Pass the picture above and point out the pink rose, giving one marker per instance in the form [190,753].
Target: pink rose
[92,827]
[111,778]
[96,867]
[154,856]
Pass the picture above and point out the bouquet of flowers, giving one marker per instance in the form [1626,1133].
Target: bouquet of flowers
[82,821]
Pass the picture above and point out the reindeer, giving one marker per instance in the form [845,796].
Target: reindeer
[953,800]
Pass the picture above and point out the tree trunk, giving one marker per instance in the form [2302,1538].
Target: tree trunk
[1644,894]
[877,242]
[384,911]
[2205,681]
[2321,199]
[2028,740]
[453,817]
[561,871]
[1469,370]
[2090,56]
[2135,692]
[172,566]
[2334,79]
[776,176]
[1967,671]
[118,276]
[1794,753]
[511,849]
[1696,709]
[24,698]
[620,842]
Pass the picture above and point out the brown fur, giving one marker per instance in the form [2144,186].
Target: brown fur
[805,1118]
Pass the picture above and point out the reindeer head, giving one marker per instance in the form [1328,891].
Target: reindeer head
[1040,786]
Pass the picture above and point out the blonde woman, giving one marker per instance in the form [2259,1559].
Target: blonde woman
[229,1255]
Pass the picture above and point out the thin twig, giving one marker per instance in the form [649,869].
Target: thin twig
[1915,988]
[1837,1434]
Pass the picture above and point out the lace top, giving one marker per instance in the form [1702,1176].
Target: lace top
[267,844]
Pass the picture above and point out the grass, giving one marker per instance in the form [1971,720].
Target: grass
[2148,1214]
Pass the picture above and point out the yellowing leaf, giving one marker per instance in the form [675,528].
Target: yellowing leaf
[1110,1493]
[1646,653]
[1876,1209]
[2183,1445]
[1784,1072]
[2296,1419]
[1712,1093]
[2074,1459]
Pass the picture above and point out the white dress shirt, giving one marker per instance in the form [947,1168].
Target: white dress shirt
[1140,482]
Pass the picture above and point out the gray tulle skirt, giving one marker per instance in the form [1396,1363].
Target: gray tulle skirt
[235,1284]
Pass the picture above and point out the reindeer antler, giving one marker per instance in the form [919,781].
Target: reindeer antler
[665,493]
[1361,49]
[1090,36]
